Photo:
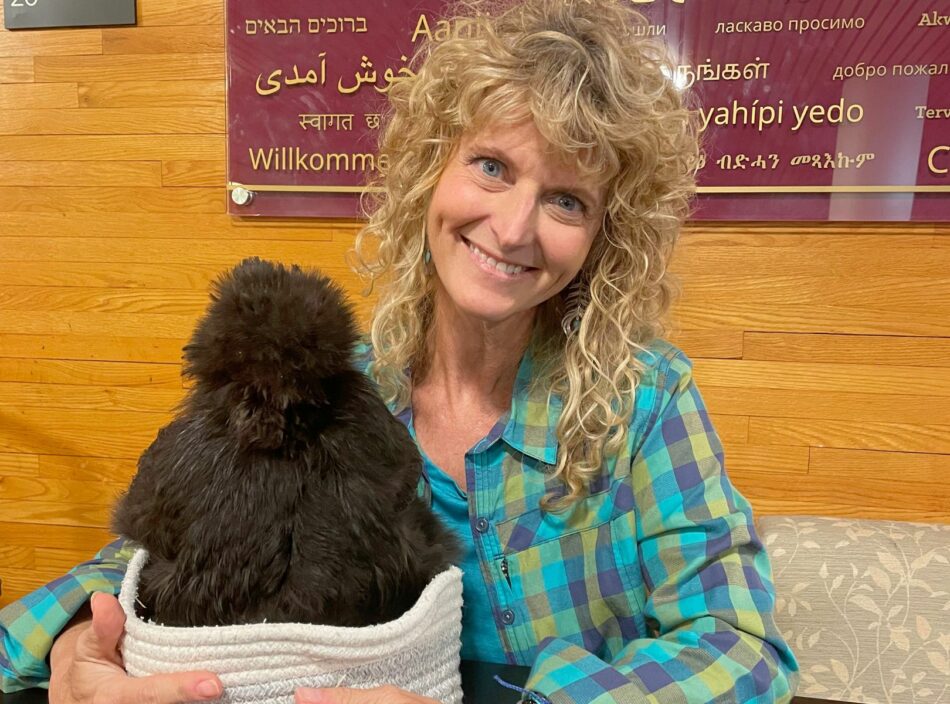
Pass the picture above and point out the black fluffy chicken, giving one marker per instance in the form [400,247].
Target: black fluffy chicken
[284,490]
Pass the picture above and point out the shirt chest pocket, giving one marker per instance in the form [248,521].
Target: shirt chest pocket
[575,575]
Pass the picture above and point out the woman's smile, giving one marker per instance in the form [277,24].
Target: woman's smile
[495,266]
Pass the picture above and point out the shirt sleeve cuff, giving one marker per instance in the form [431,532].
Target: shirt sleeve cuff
[564,673]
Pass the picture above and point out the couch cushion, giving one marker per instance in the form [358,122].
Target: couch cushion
[865,605]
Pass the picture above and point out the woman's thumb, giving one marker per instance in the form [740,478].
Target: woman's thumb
[108,624]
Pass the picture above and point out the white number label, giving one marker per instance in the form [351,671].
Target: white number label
[20,3]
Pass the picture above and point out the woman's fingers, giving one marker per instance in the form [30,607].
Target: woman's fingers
[377,695]
[99,674]
[171,688]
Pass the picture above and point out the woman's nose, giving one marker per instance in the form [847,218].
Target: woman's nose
[516,218]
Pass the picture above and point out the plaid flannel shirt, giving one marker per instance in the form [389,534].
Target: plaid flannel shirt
[655,588]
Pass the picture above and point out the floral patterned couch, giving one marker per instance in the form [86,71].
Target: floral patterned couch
[865,605]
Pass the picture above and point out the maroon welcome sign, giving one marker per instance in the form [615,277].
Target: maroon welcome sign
[825,110]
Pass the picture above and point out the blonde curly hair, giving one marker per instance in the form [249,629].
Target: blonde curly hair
[598,89]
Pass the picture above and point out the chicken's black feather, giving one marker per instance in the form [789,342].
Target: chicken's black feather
[284,490]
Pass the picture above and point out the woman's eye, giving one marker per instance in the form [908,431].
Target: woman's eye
[569,203]
[491,167]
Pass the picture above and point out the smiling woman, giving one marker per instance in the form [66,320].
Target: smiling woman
[538,173]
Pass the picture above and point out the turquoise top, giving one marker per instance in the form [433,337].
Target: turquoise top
[480,639]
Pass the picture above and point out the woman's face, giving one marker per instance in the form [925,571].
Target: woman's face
[510,224]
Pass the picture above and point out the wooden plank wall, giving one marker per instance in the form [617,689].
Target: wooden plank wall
[822,350]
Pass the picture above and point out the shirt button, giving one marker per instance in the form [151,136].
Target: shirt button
[508,617]
[481,525]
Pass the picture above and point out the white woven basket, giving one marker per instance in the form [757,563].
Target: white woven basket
[264,663]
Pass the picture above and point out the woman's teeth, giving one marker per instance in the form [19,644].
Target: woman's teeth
[510,269]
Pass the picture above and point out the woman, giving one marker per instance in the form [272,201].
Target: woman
[539,171]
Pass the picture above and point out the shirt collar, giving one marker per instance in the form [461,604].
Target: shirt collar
[532,423]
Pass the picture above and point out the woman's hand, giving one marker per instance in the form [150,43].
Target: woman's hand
[86,666]
[377,695]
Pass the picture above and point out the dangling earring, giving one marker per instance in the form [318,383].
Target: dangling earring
[426,252]
[578,298]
